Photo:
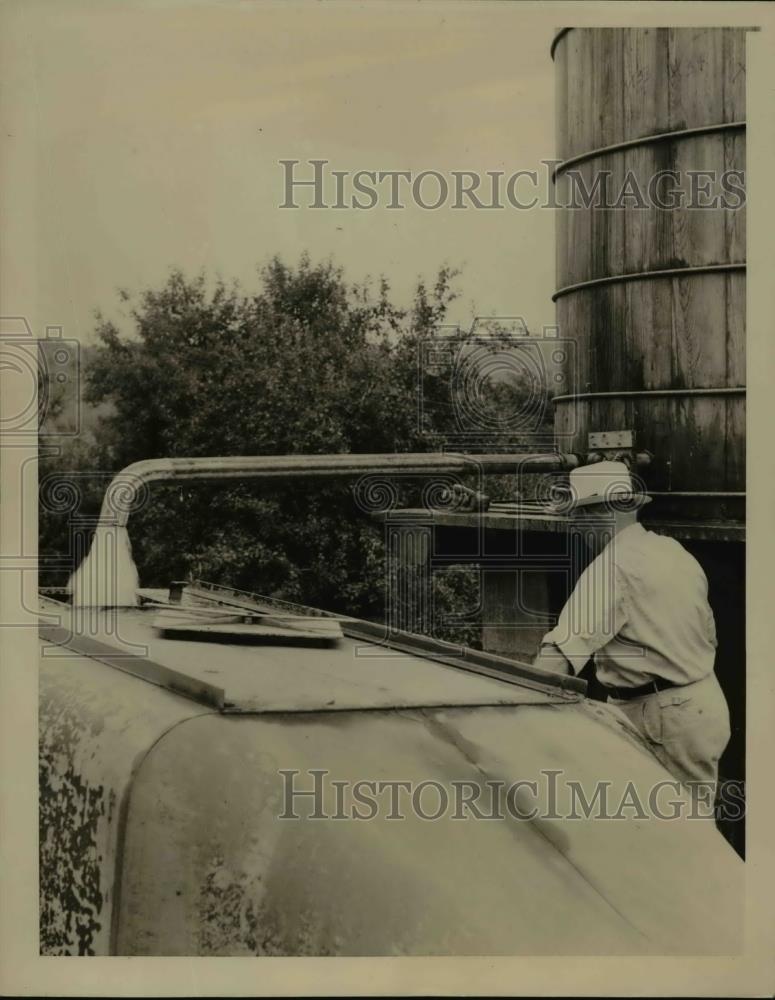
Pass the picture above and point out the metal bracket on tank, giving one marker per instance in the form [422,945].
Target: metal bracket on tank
[617,446]
[600,440]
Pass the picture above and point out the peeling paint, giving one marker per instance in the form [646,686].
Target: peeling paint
[95,724]
[234,919]
[70,813]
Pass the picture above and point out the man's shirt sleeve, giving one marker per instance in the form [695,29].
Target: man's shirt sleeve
[710,627]
[594,613]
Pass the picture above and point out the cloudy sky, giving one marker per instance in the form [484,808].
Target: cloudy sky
[159,127]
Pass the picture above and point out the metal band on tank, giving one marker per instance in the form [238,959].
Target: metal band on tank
[647,140]
[737,390]
[557,39]
[670,272]
[696,494]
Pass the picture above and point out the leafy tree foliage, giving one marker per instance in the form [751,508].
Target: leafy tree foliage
[307,364]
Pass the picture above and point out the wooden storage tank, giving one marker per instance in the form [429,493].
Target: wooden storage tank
[655,296]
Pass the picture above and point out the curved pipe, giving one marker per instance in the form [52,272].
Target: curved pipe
[127,485]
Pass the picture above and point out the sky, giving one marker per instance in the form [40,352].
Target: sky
[160,126]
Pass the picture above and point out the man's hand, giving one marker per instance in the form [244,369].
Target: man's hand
[550,658]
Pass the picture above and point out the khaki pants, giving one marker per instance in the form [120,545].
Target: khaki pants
[687,729]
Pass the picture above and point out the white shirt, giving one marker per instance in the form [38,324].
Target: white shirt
[641,609]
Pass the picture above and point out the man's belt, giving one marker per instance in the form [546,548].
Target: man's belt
[624,694]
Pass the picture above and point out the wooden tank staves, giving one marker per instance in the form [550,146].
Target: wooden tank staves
[654,295]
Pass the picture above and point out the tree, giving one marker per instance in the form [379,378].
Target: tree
[307,364]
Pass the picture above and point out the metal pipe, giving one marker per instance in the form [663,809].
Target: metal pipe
[641,458]
[125,487]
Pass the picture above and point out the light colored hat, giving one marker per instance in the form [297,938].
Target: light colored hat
[607,483]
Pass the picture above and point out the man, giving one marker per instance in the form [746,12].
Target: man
[640,610]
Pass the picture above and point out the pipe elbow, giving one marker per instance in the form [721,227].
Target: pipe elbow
[129,487]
